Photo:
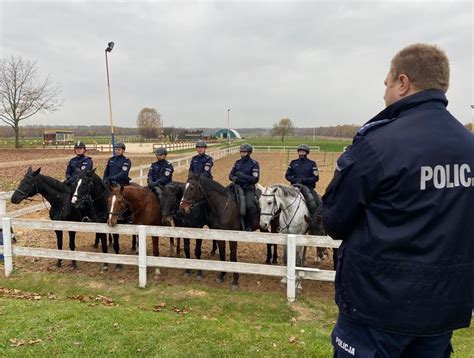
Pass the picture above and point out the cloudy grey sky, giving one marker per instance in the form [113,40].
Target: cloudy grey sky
[318,63]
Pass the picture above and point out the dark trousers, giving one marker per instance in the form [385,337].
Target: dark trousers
[355,340]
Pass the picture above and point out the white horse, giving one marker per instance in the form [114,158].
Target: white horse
[288,204]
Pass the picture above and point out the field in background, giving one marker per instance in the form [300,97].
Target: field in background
[329,145]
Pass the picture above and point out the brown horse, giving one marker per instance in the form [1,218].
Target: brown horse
[143,207]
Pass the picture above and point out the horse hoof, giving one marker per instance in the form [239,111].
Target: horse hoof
[157,272]
[267,262]
[213,253]
[104,269]
[199,277]
[74,266]
[235,287]
[274,262]
[95,246]
[118,268]
[187,273]
[219,280]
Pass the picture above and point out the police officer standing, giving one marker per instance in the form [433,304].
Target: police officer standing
[201,163]
[303,173]
[78,163]
[245,174]
[403,210]
[161,172]
[118,166]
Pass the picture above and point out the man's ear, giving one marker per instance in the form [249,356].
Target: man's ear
[404,85]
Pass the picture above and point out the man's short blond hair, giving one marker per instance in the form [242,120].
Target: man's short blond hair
[427,66]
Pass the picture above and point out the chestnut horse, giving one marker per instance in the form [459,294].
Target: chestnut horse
[144,208]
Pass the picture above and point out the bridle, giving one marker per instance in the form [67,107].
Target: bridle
[276,211]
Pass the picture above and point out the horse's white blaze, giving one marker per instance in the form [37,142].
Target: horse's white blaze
[112,207]
[184,193]
[74,197]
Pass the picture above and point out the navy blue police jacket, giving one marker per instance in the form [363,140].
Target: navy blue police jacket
[303,171]
[245,172]
[402,201]
[201,165]
[160,173]
[76,165]
[117,170]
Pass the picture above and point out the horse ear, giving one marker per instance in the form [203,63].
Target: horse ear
[274,190]
[93,170]
[29,171]
[37,171]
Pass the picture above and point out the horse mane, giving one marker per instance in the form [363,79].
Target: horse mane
[287,190]
[55,183]
[209,184]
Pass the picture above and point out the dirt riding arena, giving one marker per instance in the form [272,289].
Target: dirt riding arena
[273,167]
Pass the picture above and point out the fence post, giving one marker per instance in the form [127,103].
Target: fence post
[141,174]
[291,268]
[7,246]
[142,256]
[3,206]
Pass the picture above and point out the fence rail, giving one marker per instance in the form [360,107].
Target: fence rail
[291,272]
[281,148]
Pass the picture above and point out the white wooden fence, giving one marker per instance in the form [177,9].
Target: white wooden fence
[143,261]
[281,148]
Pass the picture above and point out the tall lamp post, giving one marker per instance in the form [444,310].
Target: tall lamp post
[228,127]
[109,48]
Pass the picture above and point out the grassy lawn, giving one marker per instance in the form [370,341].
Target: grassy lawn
[61,314]
[330,145]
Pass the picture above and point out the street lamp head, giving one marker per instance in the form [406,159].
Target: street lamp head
[228,110]
[110,46]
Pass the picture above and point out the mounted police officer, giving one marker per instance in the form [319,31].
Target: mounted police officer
[201,164]
[118,167]
[78,163]
[303,173]
[161,172]
[403,210]
[245,174]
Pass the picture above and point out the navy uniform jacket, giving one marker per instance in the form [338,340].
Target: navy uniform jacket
[160,173]
[117,170]
[402,201]
[245,172]
[76,165]
[303,171]
[201,165]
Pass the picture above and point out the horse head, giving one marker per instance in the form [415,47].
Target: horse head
[27,187]
[84,188]
[170,199]
[117,205]
[269,206]
[192,194]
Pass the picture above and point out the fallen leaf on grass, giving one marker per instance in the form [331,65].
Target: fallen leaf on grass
[34,341]
[292,339]
[159,307]
[15,342]
[183,310]
[258,328]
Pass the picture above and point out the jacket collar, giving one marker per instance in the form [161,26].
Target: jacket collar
[419,98]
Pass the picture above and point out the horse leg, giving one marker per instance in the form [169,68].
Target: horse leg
[221,276]
[187,252]
[334,258]
[197,252]
[233,258]
[285,249]
[171,249]
[214,248]
[103,241]
[96,242]
[118,267]
[178,247]
[111,240]
[155,240]
[269,254]
[59,239]
[275,254]
[134,243]
[72,246]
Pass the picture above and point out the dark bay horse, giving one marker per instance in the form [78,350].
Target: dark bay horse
[197,218]
[222,212]
[58,195]
[144,208]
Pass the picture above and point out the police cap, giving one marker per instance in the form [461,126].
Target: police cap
[161,151]
[303,147]
[246,148]
[201,144]
[79,144]
[120,145]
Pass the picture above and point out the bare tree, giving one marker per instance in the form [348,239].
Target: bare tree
[149,122]
[283,128]
[23,93]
